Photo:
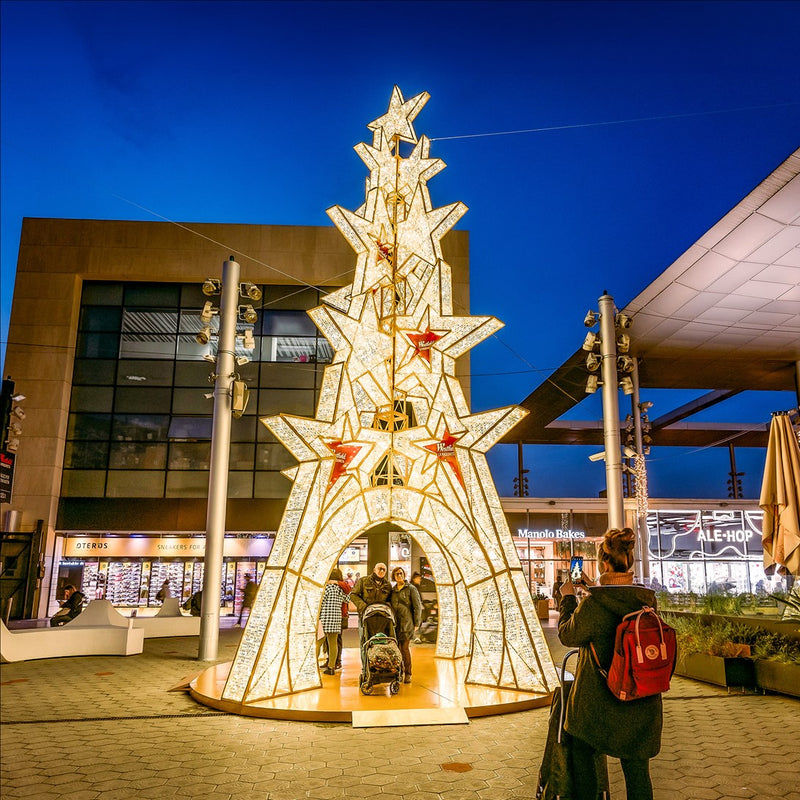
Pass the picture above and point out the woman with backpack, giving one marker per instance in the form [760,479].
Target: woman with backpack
[596,719]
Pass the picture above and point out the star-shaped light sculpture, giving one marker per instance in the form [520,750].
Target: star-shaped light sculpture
[393,441]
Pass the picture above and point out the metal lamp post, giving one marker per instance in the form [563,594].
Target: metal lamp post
[220,456]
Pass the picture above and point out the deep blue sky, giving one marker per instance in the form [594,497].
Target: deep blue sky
[248,112]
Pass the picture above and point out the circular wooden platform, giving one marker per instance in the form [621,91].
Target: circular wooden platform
[437,683]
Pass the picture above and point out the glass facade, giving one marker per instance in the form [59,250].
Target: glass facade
[140,424]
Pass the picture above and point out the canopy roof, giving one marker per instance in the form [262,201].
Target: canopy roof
[724,317]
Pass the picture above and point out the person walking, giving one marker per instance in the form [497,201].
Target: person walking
[331,619]
[407,606]
[557,592]
[248,596]
[597,721]
[375,588]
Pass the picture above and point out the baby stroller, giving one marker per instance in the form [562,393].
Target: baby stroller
[381,660]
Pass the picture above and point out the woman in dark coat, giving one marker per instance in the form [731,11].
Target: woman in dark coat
[598,722]
[407,606]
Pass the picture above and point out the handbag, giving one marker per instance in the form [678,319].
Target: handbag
[555,774]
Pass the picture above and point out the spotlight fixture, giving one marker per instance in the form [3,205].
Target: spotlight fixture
[209,395]
[240,394]
[18,412]
[17,398]
[242,360]
[208,312]
[593,362]
[248,314]
[204,336]
[629,452]
[210,357]
[591,319]
[248,341]
[623,343]
[598,456]
[15,429]
[590,341]
[250,290]
[12,445]
[623,321]
[212,286]
[625,364]
[592,384]
[212,377]
[646,406]
[626,384]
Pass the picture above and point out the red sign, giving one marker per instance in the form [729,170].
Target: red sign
[445,450]
[344,453]
[6,476]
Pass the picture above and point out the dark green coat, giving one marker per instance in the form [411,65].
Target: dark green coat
[622,729]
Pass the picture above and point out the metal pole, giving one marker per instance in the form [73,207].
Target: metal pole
[734,483]
[220,455]
[608,352]
[643,535]
[519,467]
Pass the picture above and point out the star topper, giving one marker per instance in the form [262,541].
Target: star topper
[397,121]
[343,455]
[445,450]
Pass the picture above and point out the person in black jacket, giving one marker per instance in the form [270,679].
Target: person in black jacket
[598,722]
[407,606]
[374,588]
[70,608]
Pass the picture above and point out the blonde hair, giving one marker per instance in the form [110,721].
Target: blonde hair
[616,549]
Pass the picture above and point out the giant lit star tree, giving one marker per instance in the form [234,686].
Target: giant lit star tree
[393,440]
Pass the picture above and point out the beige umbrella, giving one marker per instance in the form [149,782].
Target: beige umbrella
[780,498]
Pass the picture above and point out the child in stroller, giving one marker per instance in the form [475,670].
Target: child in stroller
[381,659]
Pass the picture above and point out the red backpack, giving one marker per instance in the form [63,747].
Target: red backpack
[644,656]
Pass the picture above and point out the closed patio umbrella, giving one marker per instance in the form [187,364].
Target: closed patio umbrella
[780,498]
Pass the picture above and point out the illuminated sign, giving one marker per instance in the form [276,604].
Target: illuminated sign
[550,533]
[164,547]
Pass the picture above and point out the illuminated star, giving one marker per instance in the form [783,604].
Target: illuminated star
[445,450]
[344,454]
[423,342]
[397,120]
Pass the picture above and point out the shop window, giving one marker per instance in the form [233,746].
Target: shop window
[187,484]
[93,372]
[83,483]
[86,455]
[144,373]
[190,428]
[161,295]
[96,293]
[190,456]
[271,484]
[135,484]
[288,376]
[140,427]
[148,334]
[189,349]
[137,455]
[97,345]
[100,318]
[130,400]
[91,398]
[89,426]
[298,349]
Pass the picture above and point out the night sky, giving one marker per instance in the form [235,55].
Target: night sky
[644,124]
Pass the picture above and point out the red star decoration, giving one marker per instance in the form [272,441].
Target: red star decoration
[423,342]
[344,453]
[445,450]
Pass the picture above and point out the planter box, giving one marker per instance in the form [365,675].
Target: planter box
[736,672]
[778,676]
[543,609]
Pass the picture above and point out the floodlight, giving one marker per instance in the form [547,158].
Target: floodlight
[12,445]
[212,286]
[626,384]
[210,357]
[598,456]
[242,360]
[204,336]
[623,343]
[646,405]
[209,395]
[15,429]
[593,362]
[17,398]
[624,321]
[591,319]
[625,364]
[18,412]
[248,314]
[629,452]
[590,341]
[250,290]
[212,377]
[248,341]
[208,312]
[591,384]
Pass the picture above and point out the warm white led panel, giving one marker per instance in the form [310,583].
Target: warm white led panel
[393,440]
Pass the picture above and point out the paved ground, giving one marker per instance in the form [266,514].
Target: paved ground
[106,727]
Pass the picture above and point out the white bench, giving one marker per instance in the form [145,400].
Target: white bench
[69,640]
[169,621]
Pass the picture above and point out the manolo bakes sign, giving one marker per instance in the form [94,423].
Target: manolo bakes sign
[242,546]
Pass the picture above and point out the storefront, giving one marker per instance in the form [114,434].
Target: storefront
[129,570]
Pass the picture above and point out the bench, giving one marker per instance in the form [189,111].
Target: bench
[71,639]
[169,621]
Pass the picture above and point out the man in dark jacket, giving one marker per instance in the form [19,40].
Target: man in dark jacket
[374,588]
[70,608]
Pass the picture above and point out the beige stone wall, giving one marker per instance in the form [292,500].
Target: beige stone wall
[57,255]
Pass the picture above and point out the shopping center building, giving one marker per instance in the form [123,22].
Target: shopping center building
[111,474]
